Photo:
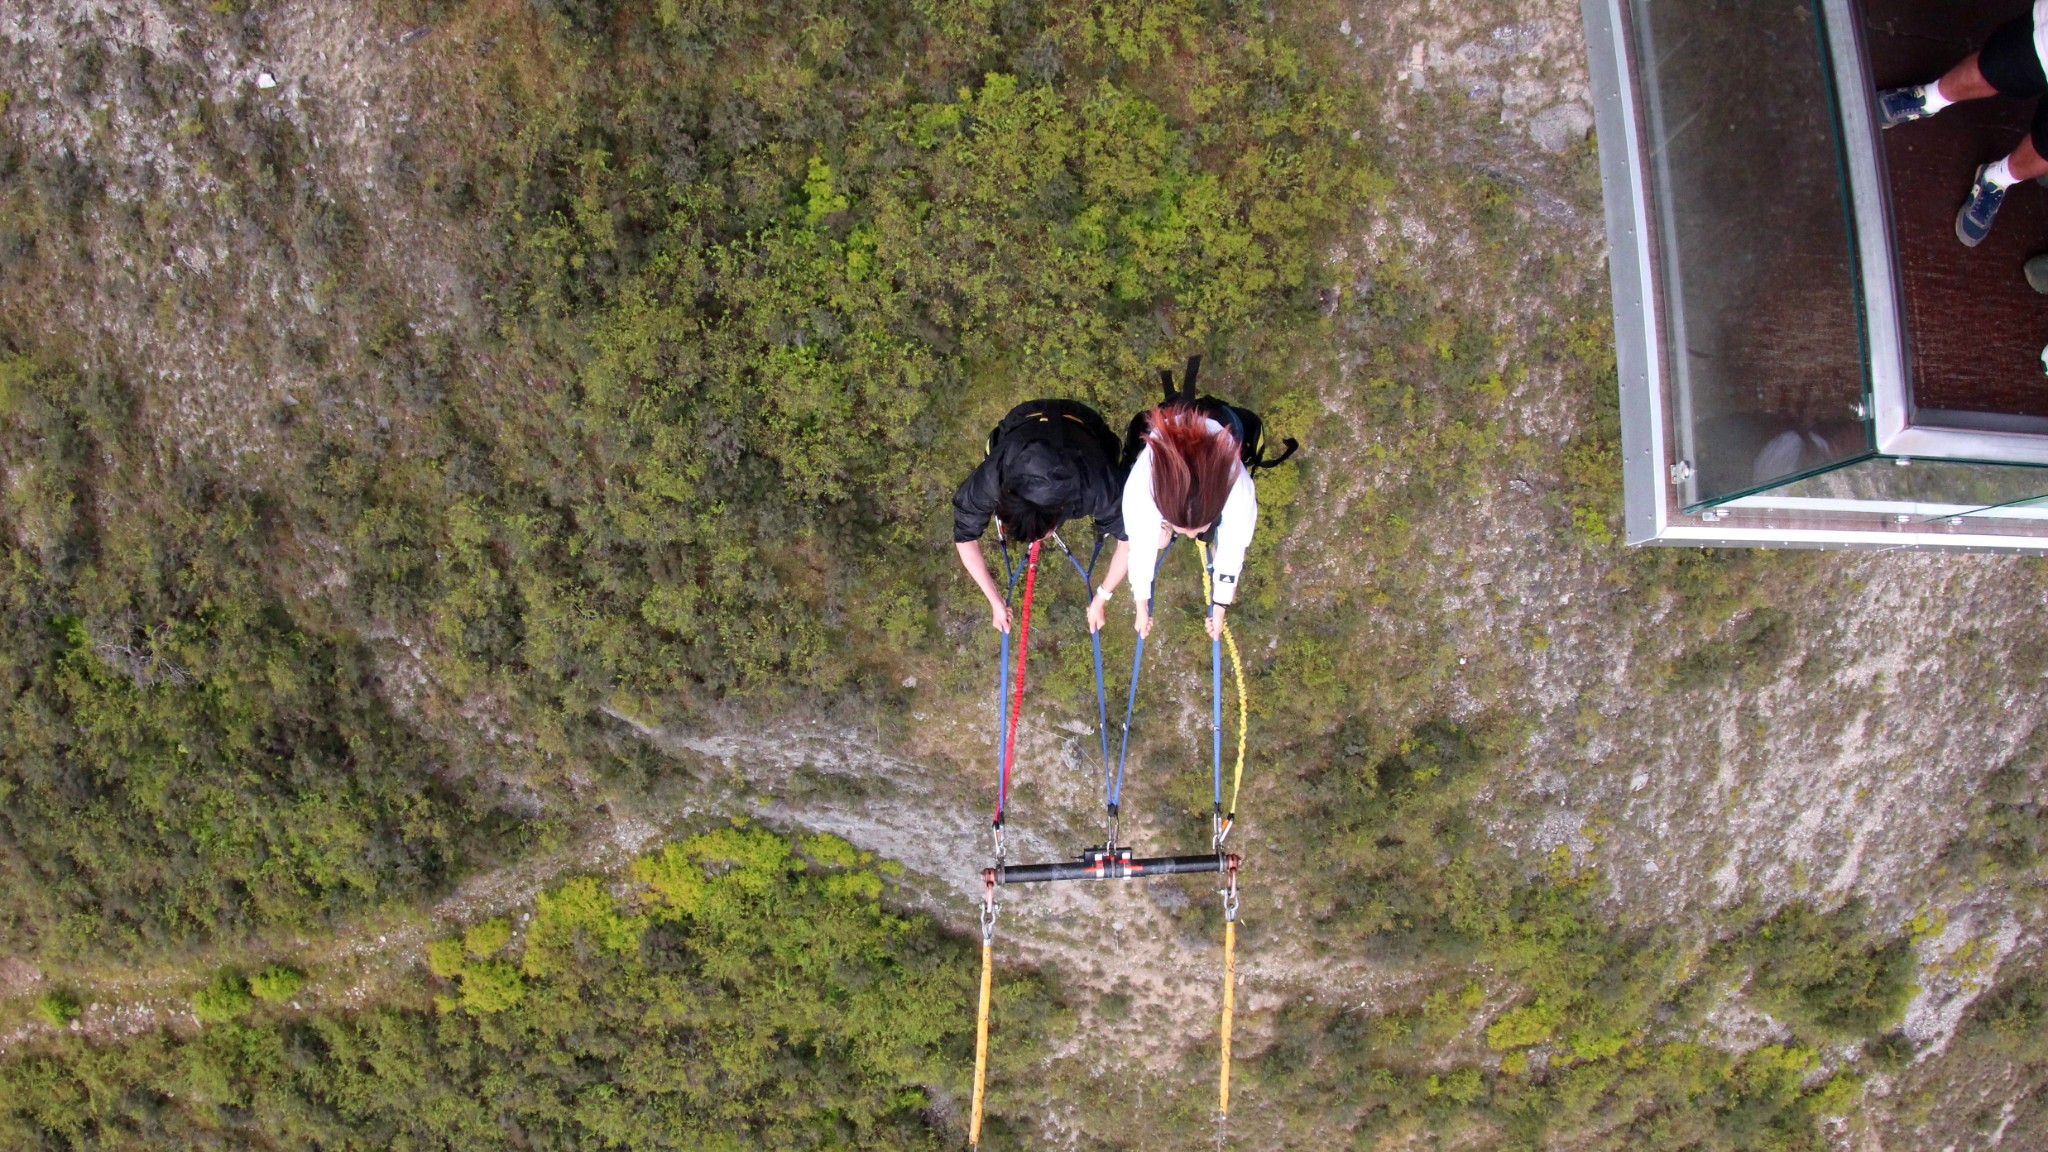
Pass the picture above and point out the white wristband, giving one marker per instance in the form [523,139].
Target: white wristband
[1104,595]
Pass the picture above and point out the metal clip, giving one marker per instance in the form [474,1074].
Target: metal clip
[989,907]
[1223,825]
[996,830]
[1229,891]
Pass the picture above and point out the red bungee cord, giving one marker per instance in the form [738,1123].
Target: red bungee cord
[1017,696]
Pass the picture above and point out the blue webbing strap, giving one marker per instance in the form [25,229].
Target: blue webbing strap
[1003,668]
[1095,639]
[1116,791]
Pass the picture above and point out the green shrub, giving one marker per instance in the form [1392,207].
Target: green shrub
[1392,818]
[1827,974]
[1521,1027]
[831,851]
[2013,1019]
[276,984]
[223,999]
[57,1008]
[446,958]
[1461,1087]
[1760,642]
[486,938]
[491,986]
[1445,1013]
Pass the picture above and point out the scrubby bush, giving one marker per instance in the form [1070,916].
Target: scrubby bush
[58,1008]
[491,986]
[1392,818]
[757,997]
[1827,973]
[239,765]
[447,958]
[486,938]
[1758,644]
[226,997]
[276,984]
[2013,1019]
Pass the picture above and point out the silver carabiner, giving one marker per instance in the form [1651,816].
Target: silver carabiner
[989,906]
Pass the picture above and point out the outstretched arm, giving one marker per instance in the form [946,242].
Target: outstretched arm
[1119,563]
[1147,533]
[977,567]
[1233,540]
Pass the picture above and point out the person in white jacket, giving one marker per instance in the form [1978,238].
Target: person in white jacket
[1190,479]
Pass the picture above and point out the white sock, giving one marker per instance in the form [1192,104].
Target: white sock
[1931,97]
[2000,174]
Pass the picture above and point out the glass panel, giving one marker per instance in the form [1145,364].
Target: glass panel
[1956,486]
[1762,312]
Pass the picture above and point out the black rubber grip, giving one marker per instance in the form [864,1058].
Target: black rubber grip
[1099,865]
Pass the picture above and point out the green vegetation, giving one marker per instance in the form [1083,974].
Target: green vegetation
[188,751]
[1598,1044]
[741,996]
[276,984]
[1762,639]
[778,266]
[57,1009]
[633,396]
[1826,974]
[1997,1076]
[787,263]
[225,998]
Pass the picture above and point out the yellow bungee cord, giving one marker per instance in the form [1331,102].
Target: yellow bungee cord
[1229,892]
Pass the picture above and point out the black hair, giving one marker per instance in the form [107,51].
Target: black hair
[1022,520]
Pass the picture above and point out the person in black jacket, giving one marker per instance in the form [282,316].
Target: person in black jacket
[1048,461]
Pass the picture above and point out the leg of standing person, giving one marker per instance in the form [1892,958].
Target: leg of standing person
[2010,63]
[1963,82]
[1973,223]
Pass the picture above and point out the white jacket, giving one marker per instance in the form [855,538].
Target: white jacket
[2041,32]
[1143,522]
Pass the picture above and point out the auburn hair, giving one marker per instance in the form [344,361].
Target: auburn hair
[1193,466]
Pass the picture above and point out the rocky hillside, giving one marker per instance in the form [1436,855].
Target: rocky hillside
[456,449]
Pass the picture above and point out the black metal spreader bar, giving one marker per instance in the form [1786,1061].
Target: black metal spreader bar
[1117,864]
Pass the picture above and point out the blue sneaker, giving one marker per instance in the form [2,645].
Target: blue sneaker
[1899,105]
[1973,223]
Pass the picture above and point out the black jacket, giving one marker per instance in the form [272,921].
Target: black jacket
[1060,454]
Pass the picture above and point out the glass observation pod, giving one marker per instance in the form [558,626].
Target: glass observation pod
[1808,355]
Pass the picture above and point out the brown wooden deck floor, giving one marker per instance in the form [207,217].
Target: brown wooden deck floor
[1974,330]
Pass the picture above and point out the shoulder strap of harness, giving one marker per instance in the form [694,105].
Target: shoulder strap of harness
[1184,392]
[1260,463]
